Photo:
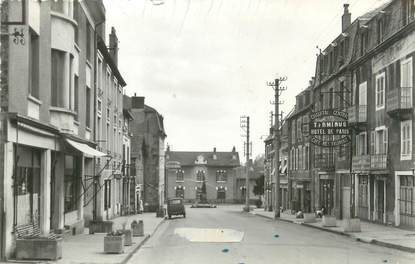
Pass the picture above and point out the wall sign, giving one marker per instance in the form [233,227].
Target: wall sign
[329,128]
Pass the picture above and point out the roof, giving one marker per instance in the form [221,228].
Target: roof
[192,158]
[372,13]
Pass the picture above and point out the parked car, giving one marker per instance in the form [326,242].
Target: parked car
[175,206]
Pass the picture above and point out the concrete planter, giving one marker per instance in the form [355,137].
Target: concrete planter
[329,221]
[309,218]
[138,228]
[351,225]
[128,239]
[100,227]
[114,244]
[39,249]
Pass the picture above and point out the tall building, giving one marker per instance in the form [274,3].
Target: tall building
[147,153]
[192,169]
[47,92]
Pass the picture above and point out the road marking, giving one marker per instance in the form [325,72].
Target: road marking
[212,235]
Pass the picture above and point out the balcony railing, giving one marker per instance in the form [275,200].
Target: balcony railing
[324,161]
[378,161]
[361,162]
[399,99]
[357,114]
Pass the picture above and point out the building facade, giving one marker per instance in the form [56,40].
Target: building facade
[47,92]
[147,153]
[193,169]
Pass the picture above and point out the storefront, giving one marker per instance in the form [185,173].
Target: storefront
[326,192]
[405,199]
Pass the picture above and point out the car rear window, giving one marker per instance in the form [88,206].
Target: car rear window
[175,201]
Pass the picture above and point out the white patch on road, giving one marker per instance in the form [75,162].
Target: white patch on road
[212,235]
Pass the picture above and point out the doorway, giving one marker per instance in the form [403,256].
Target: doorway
[380,198]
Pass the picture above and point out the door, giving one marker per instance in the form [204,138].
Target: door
[346,202]
[380,201]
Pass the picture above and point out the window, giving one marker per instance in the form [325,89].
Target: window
[406,83]
[34,65]
[307,153]
[200,176]
[380,91]
[27,186]
[363,42]
[406,140]
[361,144]
[71,182]
[300,157]
[57,78]
[179,175]
[381,141]
[89,34]
[406,195]
[107,194]
[107,136]
[76,95]
[380,30]
[76,17]
[88,107]
[99,132]
[221,176]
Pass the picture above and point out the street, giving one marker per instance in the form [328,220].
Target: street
[263,241]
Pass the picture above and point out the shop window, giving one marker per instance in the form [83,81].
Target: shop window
[27,191]
[363,192]
[221,195]
[71,183]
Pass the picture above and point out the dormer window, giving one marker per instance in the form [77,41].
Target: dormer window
[380,30]
[179,175]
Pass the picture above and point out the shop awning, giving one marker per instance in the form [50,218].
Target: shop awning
[84,148]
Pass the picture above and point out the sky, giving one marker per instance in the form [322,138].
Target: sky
[205,63]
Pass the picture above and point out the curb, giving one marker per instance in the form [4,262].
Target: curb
[371,241]
[132,252]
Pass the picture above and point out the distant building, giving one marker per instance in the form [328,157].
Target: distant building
[147,153]
[187,170]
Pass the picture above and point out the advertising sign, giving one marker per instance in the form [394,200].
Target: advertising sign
[329,128]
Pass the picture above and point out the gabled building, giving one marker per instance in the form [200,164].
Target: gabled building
[192,169]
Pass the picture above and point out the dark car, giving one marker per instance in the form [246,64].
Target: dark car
[175,206]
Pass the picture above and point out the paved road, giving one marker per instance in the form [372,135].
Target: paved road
[264,241]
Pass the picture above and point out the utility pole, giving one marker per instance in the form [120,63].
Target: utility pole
[277,91]
[244,122]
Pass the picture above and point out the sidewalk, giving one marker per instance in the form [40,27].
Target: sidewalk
[386,236]
[88,248]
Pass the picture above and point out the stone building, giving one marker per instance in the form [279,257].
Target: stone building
[147,153]
[192,169]
[47,98]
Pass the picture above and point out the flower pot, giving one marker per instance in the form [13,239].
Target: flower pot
[351,225]
[128,240]
[309,218]
[114,244]
[39,248]
[329,221]
[138,228]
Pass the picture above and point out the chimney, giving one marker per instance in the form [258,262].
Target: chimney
[214,153]
[346,18]
[168,148]
[214,150]
[137,102]
[233,149]
[113,47]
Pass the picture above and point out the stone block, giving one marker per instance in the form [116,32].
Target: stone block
[351,225]
[329,221]
[309,218]
[114,244]
[39,249]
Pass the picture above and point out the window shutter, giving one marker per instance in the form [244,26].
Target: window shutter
[372,142]
[398,74]
[385,141]
[403,143]
[357,146]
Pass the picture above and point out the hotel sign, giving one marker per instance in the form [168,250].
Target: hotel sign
[329,128]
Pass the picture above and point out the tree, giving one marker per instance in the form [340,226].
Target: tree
[259,185]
